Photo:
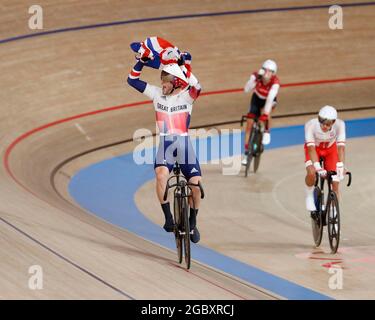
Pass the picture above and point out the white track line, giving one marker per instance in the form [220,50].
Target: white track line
[274,196]
[80,129]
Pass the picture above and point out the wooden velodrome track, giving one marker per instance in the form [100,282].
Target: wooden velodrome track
[47,78]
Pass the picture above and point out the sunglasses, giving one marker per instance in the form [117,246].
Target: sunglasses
[326,122]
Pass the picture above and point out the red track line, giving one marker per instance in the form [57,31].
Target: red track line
[209,93]
[309,83]
[90,113]
[51,124]
[329,259]
[296,84]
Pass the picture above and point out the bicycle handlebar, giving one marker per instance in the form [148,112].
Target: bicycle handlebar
[350,178]
[243,119]
[188,184]
[199,185]
[333,173]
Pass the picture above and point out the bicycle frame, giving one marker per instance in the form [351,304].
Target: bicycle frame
[328,211]
[320,180]
[182,193]
[260,125]
[182,183]
[255,143]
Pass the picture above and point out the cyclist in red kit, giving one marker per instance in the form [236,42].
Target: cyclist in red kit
[266,86]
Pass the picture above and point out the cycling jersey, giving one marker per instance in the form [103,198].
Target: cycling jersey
[315,136]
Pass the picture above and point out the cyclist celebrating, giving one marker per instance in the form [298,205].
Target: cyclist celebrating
[266,86]
[324,138]
[173,104]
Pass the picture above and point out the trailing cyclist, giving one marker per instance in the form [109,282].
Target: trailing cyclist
[266,86]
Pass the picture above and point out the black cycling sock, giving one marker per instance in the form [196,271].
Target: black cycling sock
[193,218]
[167,211]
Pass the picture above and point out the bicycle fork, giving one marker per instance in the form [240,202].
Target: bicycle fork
[183,207]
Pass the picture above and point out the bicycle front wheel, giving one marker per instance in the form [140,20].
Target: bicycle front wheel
[316,219]
[256,162]
[257,151]
[250,152]
[333,222]
[177,219]
[186,232]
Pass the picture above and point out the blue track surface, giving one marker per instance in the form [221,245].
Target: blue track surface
[107,189]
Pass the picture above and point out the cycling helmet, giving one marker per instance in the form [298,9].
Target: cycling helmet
[270,65]
[174,74]
[327,113]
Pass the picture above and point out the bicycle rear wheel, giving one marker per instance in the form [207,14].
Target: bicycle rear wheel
[316,219]
[250,152]
[177,218]
[186,232]
[258,152]
[333,221]
[256,162]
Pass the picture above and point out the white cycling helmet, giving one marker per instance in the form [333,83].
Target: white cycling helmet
[327,113]
[270,65]
[176,71]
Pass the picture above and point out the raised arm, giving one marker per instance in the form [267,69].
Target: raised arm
[142,86]
[195,87]
[133,77]
[250,84]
